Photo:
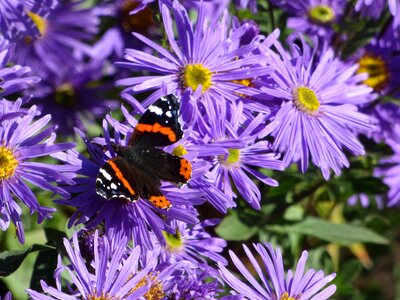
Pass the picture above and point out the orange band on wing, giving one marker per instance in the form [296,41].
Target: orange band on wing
[186,169]
[121,177]
[157,128]
[160,202]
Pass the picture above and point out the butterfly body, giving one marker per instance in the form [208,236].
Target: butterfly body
[138,169]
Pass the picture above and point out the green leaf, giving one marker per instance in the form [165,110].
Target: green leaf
[233,229]
[11,260]
[343,234]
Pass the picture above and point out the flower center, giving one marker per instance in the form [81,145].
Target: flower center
[155,292]
[305,100]
[375,67]
[232,158]
[8,163]
[174,241]
[179,151]
[285,296]
[321,14]
[138,22]
[194,75]
[65,95]
[102,297]
[40,23]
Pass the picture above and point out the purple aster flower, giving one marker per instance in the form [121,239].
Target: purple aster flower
[75,98]
[193,281]
[375,8]
[193,243]
[364,200]
[132,219]
[202,61]
[230,127]
[313,17]
[22,139]
[17,17]
[16,78]
[64,33]
[389,169]
[386,120]
[318,116]
[275,284]
[114,273]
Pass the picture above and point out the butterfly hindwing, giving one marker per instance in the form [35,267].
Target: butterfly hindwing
[159,126]
[168,167]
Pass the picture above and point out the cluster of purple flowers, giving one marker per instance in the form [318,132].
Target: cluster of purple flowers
[250,105]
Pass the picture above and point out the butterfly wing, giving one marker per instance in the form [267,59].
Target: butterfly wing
[159,125]
[120,179]
[167,166]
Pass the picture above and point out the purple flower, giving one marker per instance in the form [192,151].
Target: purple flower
[386,117]
[193,243]
[136,219]
[193,281]
[247,4]
[313,17]
[375,8]
[115,273]
[274,283]
[230,127]
[389,169]
[17,17]
[381,64]
[22,139]
[64,33]
[318,116]
[75,97]
[203,61]
[16,78]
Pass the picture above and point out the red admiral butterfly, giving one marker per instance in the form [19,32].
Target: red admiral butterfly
[138,169]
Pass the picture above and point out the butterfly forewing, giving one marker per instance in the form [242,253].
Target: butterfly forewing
[159,126]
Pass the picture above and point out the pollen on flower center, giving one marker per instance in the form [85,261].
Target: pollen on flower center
[194,75]
[8,163]
[93,296]
[174,241]
[155,292]
[321,14]
[179,151]
[305,100]
[285,296]
[40,22]
[232,158]
[375,67]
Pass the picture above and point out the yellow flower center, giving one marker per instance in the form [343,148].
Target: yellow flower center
[174,241]
[65,95]
[179,151]
[40,23]
[8,163]
[194,75]
[232,159]
[375,67]
[155,292]
[102,297]
[321,14]
[305,100]
[138,22]
[285,296]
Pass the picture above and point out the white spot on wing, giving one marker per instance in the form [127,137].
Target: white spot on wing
[155,109]
[168,114]
[114,186]
[105,174]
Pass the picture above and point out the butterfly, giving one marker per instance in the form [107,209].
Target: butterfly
[138,169]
